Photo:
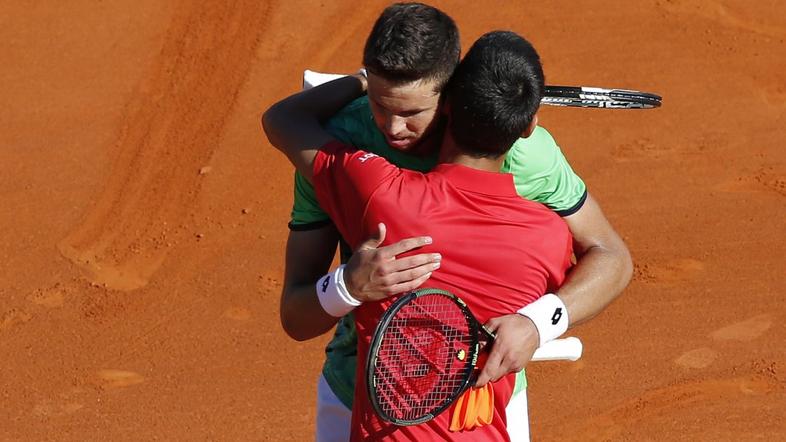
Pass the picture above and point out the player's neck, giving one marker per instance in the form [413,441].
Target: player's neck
[450,153]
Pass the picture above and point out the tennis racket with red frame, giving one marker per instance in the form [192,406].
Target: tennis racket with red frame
[424,355]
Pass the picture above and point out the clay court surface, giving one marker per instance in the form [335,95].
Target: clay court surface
[143,216]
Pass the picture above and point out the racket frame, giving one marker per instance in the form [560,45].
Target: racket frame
[565,96]
[476,331]
[583,96]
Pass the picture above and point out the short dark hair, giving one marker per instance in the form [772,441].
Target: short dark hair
[494,94]
[413,41]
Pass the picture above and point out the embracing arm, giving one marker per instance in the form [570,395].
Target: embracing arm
[603,268]
[294,124]
[308,257]
[371,274]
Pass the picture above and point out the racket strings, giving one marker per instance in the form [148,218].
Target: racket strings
[424,358]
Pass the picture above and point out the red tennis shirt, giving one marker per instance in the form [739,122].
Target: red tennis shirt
[499,253]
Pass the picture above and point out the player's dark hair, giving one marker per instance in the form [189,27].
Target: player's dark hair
[413,41]
[494,94]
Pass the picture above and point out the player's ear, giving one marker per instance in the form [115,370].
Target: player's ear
[531,128]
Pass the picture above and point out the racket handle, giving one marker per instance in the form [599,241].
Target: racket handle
[565,349]
[314,79]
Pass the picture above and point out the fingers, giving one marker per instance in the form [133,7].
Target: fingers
[512,348]
[412,262]
[493,324]
[423,265]
[405,245]
[376,240]
[493,369]
[408,286]
[374,273]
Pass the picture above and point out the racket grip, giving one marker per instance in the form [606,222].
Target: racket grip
[565,349]
[314,79]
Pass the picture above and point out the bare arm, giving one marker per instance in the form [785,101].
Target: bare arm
[308,257]
[293,127]
[294,124]
[371,274]
[604,267]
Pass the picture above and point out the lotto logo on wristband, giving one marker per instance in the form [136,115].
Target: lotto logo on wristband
[556,316]
[549,315]
[333,294]
[325,283]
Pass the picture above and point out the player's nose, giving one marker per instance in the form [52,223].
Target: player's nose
[396,126]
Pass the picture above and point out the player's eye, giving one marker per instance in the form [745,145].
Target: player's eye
[408,114]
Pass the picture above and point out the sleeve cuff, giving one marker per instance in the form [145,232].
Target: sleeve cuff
[309,226]
[575,208]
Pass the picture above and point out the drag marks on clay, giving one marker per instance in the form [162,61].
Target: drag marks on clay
[13,318]
[237,313]
[766,179]
[112,378]
[669,272]
[270,283]
[746,330]
[774,94]
[698,358]
[639,149]
[742,331]
[55,408]
[173,125]
[63,404]
[670,400]
[50,297]
[644,149]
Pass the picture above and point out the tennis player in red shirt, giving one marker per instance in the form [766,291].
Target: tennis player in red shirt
[499,251]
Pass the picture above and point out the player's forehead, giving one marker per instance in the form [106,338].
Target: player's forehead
[402,97]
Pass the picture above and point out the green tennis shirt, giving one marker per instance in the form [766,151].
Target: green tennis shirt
[540,173]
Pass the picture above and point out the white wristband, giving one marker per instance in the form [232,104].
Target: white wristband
[333,294]
[549,315]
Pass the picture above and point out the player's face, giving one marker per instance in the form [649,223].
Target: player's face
[403,112]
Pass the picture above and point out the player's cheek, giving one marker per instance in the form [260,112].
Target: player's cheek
[419,124]
[378,115]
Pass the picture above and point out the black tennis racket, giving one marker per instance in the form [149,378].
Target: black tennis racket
[424,355]
[598,97]
[574,96]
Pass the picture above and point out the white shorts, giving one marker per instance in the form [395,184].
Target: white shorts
[334,419]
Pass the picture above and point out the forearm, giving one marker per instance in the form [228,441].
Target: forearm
[294,125]
[302,316]
[599,276]
[309,255]
[603,268]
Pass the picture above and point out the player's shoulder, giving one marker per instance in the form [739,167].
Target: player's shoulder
[537,152]
[354,124]
[539,142]
[352,156]
[539,217]
[357,108]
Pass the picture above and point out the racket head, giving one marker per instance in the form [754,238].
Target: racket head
[422,357]
[583,96]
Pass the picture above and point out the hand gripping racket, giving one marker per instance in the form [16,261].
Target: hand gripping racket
[424,355]
[572,96]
